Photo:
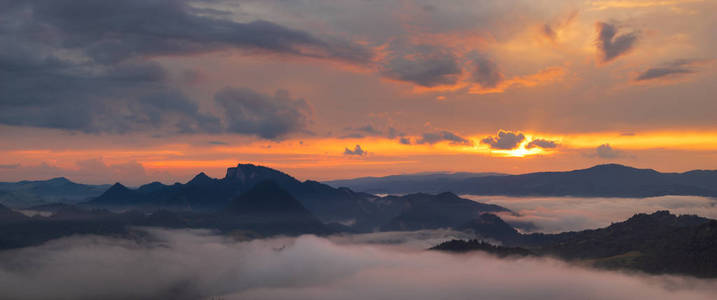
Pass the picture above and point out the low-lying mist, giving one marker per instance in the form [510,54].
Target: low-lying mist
[558,214]
[195,264]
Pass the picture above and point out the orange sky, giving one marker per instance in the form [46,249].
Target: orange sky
[418,86]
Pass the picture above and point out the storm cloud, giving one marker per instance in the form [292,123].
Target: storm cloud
[270,117]
[505,140]
[610,44]
[86,65]
[426,66]
[193,264]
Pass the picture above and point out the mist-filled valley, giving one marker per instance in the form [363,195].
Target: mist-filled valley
[198,264]
[558,214]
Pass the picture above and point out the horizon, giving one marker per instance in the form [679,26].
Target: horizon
[340,179]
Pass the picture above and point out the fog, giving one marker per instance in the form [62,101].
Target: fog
[193,264]
[557,214]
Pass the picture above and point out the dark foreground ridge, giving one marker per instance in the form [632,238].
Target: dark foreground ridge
[658,243]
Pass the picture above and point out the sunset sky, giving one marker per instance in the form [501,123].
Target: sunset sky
[142,90]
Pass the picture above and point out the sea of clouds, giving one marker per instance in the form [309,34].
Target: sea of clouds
[558,214]
[198,264]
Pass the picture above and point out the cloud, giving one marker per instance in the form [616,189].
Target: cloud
[356,151]
[195,264]
[607,151]
[404,140]
[86,65]
[670,70]
[118,30]
[486,73]
[425,66]
[441,136]
[610,45]
[270,117]
[9,166]
[541,143]
[505,140]
[559,214]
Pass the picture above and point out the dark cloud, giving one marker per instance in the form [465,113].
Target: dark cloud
[356,151]
[505,140]
[109,31]
[607,151]
[9,166]
[486,73]
[671,69]
[217,143]
[612,45]
[84,65]
[422,65]
[541,143]
[440,136]
[270,117]
[404,140]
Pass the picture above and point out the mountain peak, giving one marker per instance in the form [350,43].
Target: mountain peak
[59,180]
[117,187]
[200,178]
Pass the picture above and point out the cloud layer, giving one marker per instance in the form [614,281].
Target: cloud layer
[197,264]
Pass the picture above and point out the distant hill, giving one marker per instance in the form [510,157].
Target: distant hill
[611,180]
[659,243]
[407,183]
[24,194]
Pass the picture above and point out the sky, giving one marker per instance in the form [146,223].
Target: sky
[158,90]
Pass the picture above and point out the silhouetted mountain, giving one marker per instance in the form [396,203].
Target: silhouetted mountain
[269,209]
[24,194]
[360,211]
[600,181]
[404,184]
[445,210]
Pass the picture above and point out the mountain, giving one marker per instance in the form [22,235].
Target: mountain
[445,210]
[23,194]
[269,209]
[407,183]
[8,215]
[361,212]
[611,180]
[658,243]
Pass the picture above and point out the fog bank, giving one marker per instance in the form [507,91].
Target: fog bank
[558,214]
[192,264]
